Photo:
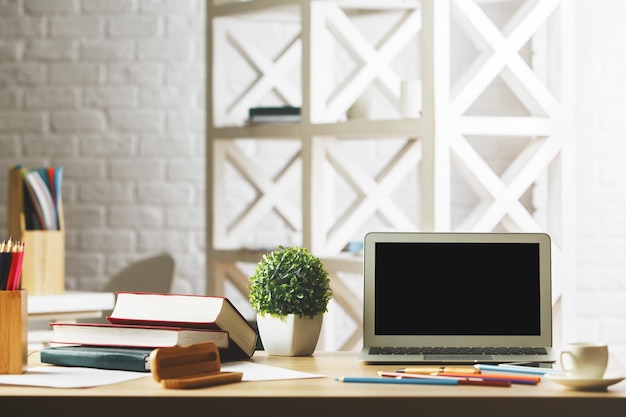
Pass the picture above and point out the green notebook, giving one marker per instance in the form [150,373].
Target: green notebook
[101,357]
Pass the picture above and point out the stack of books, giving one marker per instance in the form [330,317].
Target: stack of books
[141,322]
[273,114]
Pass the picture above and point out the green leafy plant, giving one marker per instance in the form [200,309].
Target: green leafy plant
[290,281]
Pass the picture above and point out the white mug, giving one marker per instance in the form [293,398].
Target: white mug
[585,360]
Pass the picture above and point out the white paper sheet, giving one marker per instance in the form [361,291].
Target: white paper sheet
[69,377]
[76,377]
[256,372]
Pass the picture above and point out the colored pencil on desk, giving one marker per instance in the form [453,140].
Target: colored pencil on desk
[515,379]
[407,381]
[419,381]
[463,380]
[533,370]
[432,369]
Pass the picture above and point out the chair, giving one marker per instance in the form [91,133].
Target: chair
[154,274]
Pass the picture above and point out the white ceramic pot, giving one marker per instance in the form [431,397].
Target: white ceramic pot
[290,336]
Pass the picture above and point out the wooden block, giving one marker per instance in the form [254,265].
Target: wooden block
[190,366]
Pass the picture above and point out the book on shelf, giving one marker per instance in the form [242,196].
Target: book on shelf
[97,334]
[42,196]
[274,111]
[273,114]
[188,311]
[43,199]
[101,357]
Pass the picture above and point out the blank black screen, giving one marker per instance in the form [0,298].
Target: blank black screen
[457,289]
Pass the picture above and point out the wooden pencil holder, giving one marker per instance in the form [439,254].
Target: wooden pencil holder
[43,270]
[13,331]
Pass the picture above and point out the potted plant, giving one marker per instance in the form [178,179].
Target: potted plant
[290,291]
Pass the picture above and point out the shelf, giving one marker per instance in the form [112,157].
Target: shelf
[460,166]
[270,9]
[380,129]
[277,8]
[362,129]
[342,262]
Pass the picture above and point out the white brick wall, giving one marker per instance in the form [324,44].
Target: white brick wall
[113,91]
[601,173]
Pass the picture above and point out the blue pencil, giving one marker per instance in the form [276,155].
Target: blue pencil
[414,381]
[517,369]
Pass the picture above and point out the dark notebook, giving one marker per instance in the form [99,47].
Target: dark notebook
[101,357]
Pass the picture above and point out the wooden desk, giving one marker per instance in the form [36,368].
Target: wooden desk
[320,397]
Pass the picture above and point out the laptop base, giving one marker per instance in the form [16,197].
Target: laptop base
[367,357]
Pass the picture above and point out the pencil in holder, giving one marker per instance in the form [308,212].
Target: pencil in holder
[13,331]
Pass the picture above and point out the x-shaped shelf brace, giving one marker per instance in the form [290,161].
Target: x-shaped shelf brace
[500,55]
[272,193]
[373,191]
[272,74]
[501,195]
[374,62]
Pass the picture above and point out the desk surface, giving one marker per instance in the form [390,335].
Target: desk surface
[315,397]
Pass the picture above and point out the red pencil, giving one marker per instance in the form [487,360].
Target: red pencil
[15,274]
[462,380]
[482,381]
[515,379]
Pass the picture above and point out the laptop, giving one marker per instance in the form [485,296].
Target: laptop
[457,298]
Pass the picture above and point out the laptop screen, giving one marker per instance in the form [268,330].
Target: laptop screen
[457,288]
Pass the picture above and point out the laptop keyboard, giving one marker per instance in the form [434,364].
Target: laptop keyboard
[458,351]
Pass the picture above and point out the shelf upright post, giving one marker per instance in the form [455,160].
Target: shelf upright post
[436,116]
[211,285]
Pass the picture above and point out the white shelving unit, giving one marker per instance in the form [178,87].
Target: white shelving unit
[353,76]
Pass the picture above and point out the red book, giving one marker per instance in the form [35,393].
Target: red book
[187,311]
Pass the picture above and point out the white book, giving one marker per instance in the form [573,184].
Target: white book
[95,334]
